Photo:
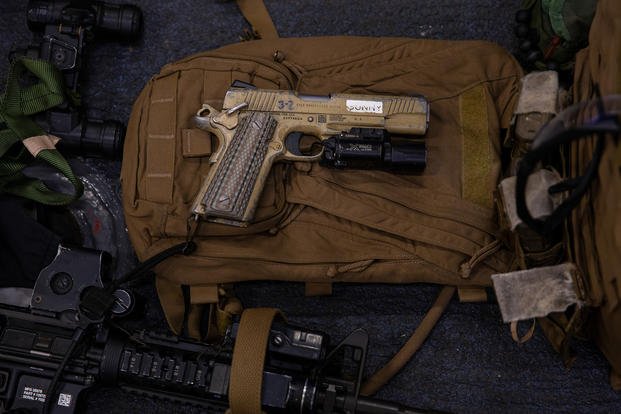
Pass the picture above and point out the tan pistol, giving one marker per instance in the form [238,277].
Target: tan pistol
[257,127]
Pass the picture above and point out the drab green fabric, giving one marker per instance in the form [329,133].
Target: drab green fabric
[568,20]
[18,103]
[554,9]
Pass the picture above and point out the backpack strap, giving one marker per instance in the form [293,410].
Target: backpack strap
[259,18]
[384,374]
[16,107]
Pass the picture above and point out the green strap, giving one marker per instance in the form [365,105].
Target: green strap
[32,99]
[16,106]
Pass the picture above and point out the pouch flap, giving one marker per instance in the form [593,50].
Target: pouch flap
[537,292]
[539,93]
[539,202]
[196,142]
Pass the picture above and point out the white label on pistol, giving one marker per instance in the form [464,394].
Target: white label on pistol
[373,107]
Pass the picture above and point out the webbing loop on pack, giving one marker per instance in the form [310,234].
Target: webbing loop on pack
[16,106]
[524,338]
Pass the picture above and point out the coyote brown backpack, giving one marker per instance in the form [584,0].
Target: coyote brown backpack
[313,224]
[321,226]
[318,225]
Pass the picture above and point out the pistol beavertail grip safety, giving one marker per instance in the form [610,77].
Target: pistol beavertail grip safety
[255,127]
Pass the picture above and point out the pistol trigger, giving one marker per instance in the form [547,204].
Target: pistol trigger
[292,143]
[300,144]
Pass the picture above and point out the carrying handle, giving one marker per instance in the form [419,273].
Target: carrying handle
[259,18]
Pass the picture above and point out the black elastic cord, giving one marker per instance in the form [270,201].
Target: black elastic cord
[187,304]
[580,185]
[96,302]
[185,248]
[51,390]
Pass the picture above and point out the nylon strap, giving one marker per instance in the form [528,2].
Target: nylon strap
[469,294]
[259,18]
[383,375]
[526,337]
[248,360]
[38,143]
[615,380]
[16,106]
[318,289]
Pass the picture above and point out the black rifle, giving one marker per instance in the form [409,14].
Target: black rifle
[61,30]
[58,347]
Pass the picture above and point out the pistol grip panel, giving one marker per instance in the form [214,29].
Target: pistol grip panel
[231,193]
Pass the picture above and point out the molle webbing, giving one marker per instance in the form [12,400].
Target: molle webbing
[161,131]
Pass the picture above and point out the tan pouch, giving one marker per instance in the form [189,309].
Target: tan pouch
[580,298]
[595,229]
